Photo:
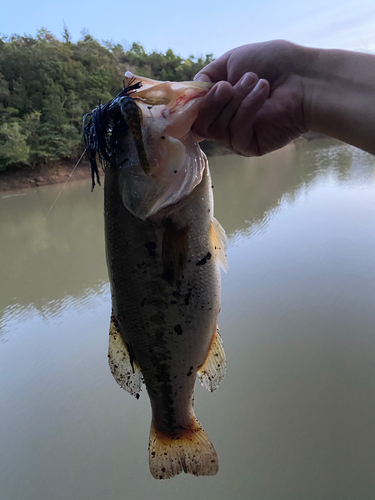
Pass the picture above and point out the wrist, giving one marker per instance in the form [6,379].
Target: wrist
[339,95]
[306,62]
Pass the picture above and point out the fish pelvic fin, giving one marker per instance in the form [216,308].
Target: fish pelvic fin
[219,242]
[123,367]
[190,451]
[213,370]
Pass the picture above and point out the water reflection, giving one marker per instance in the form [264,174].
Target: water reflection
[49,263]
[294,416]
[248,191]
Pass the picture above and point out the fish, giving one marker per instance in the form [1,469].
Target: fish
[164,251]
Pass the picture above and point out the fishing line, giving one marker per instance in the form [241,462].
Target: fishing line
[66,182]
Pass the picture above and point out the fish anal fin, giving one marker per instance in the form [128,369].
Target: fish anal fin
[213,370]
[190,451]
[219,242]
[123,367]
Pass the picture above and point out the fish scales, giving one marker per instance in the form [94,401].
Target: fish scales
[165,284]
[164,320]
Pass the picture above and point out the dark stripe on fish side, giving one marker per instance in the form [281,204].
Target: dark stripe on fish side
[133,118]
[164,387]
[175,248]
[151,247]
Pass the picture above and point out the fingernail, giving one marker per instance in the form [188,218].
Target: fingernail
[201,77]
[220,92]
[260,86]
[248,80]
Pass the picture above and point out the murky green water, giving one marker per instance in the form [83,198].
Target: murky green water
[295,416]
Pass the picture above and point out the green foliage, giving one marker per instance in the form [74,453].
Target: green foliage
[168,66]
[46,85]
[13,146]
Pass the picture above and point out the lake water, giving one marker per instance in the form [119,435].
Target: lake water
[295,416]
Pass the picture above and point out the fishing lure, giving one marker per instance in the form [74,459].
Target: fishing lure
[121,112]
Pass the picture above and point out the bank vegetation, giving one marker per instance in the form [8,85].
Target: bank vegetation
[47,84]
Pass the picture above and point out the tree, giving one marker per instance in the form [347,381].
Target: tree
[46,85]
[13,146]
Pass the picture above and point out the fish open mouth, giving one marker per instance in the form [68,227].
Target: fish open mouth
[145,134]
[104,124]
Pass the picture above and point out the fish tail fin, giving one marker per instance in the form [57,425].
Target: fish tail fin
[191,452]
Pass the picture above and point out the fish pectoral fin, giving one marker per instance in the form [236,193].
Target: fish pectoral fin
[123,367]
[190,451]
[212,372]
[219,242]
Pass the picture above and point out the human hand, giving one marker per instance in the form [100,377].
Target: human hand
[257,106]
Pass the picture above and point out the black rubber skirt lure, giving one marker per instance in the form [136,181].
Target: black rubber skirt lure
[121,114]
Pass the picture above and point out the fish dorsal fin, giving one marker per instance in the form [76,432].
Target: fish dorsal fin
[212,372]
[219,241]
[124,369]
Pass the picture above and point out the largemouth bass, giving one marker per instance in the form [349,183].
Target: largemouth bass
[164,249]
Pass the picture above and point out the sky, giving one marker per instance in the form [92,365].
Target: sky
[199,27]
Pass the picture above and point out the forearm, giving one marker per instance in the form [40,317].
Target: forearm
[339,95]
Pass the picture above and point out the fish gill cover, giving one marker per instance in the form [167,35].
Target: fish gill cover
[98,127]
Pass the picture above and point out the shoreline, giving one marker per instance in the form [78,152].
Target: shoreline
[44,175]
[56,173]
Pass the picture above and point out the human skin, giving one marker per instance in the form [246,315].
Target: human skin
[268,94]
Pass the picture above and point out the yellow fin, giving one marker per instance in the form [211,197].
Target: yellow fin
[212,372]
[125,371]
[190,452]
[219,241]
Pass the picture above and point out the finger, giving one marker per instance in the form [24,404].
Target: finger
[202,77]
[216,70]
[220,128]
[241,126]
[211,106]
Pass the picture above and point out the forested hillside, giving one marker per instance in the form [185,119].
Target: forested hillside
[47,85]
